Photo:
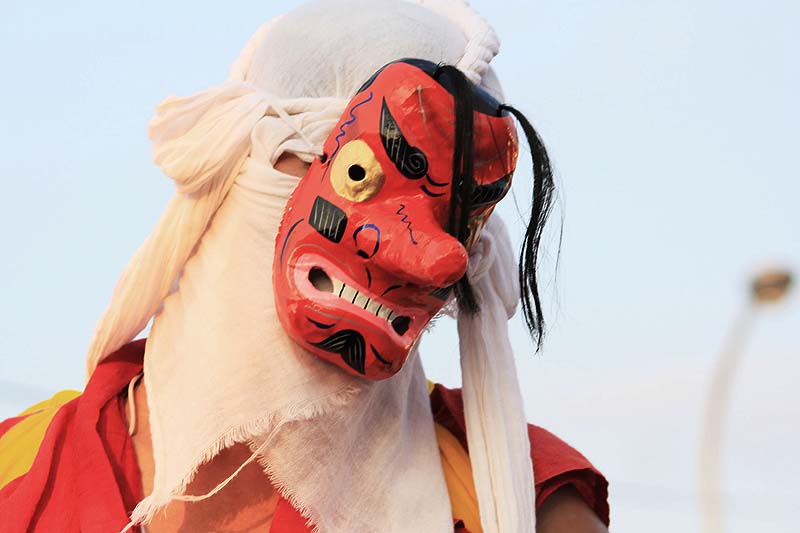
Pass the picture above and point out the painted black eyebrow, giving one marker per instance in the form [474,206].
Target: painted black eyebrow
[409,160]
[483,195]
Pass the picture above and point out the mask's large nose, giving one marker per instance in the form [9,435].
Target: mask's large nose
[418,251]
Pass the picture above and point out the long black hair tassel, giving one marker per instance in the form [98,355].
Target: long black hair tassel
[543,189]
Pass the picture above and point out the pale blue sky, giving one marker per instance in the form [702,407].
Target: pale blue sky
[673,127]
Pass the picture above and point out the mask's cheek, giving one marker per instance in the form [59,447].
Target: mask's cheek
[285,244]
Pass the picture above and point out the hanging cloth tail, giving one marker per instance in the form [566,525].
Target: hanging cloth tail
[201,142]
[497,430]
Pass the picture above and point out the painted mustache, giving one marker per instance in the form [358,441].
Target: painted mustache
[349,344]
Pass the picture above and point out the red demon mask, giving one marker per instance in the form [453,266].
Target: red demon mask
[364,256]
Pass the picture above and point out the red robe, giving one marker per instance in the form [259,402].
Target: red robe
[85,476]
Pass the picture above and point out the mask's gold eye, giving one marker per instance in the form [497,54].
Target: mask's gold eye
[355,173]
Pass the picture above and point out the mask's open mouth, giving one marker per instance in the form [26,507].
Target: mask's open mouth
[322,282]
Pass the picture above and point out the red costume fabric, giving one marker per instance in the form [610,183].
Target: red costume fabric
[85,476]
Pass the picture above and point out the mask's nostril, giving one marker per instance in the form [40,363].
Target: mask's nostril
[320,280]
[401,324]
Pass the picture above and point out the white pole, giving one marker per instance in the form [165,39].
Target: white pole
[768,287]
[715,415]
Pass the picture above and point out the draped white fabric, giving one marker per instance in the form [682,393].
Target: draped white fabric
[497,431]
[351,455]
[220,369]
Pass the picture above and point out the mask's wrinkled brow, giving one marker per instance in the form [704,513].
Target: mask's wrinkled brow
[413,163]
[409,160]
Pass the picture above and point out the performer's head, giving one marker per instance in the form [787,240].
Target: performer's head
[376,236]
[256,279]
[377,233]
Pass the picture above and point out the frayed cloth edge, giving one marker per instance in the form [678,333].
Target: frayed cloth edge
[146,509]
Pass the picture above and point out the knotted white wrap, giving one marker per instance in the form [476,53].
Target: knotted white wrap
[351,455]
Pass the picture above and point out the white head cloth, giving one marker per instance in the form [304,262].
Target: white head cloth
[219,369]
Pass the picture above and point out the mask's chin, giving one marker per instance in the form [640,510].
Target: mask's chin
[347,324]
[361,348]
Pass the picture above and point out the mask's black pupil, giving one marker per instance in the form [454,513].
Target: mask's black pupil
[356,172]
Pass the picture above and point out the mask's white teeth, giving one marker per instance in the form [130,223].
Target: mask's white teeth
[373,307]
[355,297]
[385,312]
[348,293]
[338,287]
[362,300]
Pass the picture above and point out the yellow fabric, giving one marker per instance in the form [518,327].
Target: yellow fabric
[20,444]
[458,476]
